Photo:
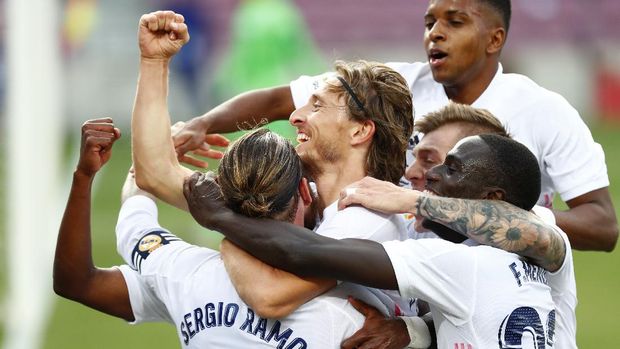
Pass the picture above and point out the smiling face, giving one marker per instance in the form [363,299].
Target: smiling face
[456,38]
[322,125]
[464,171]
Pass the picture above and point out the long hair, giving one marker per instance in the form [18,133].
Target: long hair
[259,176]
[386,100]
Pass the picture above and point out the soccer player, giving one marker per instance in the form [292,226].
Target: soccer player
[169,280]
[357,124]
[463,41]
[469,308]
[442,130]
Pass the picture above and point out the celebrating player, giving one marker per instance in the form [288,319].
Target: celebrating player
[167,279]
[467,310]
[463,41]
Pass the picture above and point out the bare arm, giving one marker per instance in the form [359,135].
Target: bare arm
[270,292]
[590,222]
[495,223]
[75,276]
[157,169]
[499,224]
[246,109]
[287,246]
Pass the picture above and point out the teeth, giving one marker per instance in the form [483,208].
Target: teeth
[302,137]
[429,193]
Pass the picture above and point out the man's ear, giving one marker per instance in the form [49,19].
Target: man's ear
[362,132]
[304,192]
[494,193]
[497,38]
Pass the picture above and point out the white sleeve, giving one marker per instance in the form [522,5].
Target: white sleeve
[544,213]
[419,334]
[304,86]
[573,161]
[136,221]
[564,294]
[145,304]
[426,269]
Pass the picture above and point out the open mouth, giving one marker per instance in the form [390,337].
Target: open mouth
[436,56]
[302,137]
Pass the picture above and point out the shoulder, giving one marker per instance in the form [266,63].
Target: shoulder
[533,94]
[412,72]
[359,222]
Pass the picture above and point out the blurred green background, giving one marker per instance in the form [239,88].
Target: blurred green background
[75,326]
[245,44]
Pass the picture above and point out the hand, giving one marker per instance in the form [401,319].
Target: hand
[192,136]
[204,198]
[161,34]
[130,188]
[379,196]
[98,136]
[378,331]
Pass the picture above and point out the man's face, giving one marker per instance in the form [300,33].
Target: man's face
[322,126]
[455,40]
[463,173]
[430,152]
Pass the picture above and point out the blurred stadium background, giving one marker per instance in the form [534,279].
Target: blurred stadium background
[569,46]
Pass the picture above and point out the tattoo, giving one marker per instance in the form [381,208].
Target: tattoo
[498,224]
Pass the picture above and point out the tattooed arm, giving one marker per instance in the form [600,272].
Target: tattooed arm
[489,222]
[499,224]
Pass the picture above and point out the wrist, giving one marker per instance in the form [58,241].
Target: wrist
[83,176]
[154,61]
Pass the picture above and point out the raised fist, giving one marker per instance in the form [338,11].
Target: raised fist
[98,136]
[161,34]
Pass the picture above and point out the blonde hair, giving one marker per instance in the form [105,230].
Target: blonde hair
[474,121]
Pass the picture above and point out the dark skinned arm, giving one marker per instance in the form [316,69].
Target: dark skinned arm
[590,222]
[246,109]
[287,246]
[75,275]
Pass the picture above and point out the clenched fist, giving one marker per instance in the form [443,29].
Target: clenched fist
[161,34]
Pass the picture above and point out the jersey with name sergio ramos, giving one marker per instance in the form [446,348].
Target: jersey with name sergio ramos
[186,285]
[479,296]
[571,163]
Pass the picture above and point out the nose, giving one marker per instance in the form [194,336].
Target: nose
[436,33]
[416,174]
[298,116]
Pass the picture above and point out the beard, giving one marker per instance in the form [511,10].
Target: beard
[314,161]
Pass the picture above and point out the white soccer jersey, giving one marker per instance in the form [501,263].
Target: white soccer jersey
[479,296]
[571,162]
[186,285]
[563,289]
[358,222]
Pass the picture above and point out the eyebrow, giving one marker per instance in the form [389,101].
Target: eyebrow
[317,97]
[429,15]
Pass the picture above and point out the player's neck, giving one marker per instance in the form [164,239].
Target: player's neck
[468,91]
[335,177]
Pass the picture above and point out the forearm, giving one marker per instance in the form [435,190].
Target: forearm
[73,263]
[591,222]
[305,253]
[157,169]
[270,292]
[499,224]
[247,109]
[75,275]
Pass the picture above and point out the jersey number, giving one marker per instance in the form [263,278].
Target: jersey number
[526,320]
